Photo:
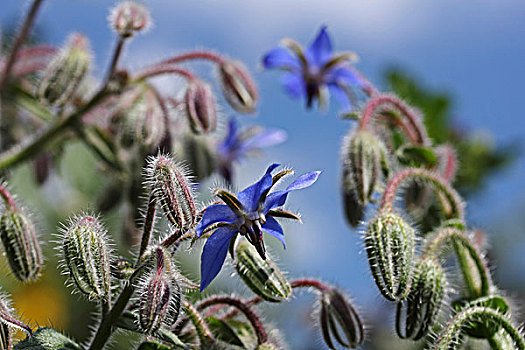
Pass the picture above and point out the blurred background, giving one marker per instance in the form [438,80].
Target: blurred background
[462,63]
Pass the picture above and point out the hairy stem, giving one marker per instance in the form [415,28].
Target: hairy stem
[7,197]
[163,69]
[115,58]
[203,332]
[193,55]
[149,223]
[414,130]
[438,184]
[19,41]
[243,307]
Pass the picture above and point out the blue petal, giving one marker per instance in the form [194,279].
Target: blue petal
[265,138]
[273,228]
[278,198]
[282,58]
[303,181]
[293,84]
[320,50]
[214,253]
[341,96]
[213,214]
[343,74]
[250,196]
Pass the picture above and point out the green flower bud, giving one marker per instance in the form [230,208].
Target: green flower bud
[362,158]
[199,155]
[353,208]
[86,256]
[171,187]
[339,320]
[390,246]
[423,302]
[200,107]
[238,86]
[65,73]
[21,244]
[263,277]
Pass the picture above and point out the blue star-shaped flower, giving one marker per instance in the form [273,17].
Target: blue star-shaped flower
[250,213]
[239,142]
[310,72]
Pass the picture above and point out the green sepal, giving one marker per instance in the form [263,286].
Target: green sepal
[47,339]
[417,156]
[235,333]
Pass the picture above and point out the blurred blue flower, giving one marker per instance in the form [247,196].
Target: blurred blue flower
[309,73]
[250,213]
[238,143]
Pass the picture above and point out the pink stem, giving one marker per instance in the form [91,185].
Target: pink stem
[192,55]
[7,197]
[164,69]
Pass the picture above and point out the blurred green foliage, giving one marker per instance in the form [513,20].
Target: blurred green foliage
[478,155]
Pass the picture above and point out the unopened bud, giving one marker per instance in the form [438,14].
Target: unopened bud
[198,152]
[21,244]
[238,86]
[129,17]
[339,320]
[171,187]
[263,277]
[142,117]
[423,302]
[159,295]
[390,245]
[65,73]
[86,256]
[362,156]
[353,208]
[200,108]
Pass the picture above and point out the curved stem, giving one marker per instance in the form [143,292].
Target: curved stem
[204,333]
[149,223]
[254,320]
[19,41]
[193,55]
[450,161]
[438,184]
[164,69]
[415,131]
[461,246]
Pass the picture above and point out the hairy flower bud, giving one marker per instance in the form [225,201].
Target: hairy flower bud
[362,156]
[7,322]
[238,86]
[86,256]
[353,208]
[65,73]
[21,244]
[390,246]
[200,155]
[424,301]
[339,320]
[129,17]
[159,295]
[141,117]
[200,107]
[263,277]
[172,189]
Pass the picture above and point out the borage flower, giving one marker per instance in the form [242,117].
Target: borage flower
[311,72]
[239,142]
[250,213]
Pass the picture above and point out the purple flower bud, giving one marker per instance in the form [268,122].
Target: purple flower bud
[86,256]
[200,107]
[238,86]
[339,320]
[171,187]
[129,17]
[65,73]
[390,246]
[21,244]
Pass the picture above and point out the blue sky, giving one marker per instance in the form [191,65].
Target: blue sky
[473,49]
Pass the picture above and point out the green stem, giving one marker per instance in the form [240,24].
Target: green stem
[466,254]
[203,332]
[22,35]
[114,60]
[149,223]
[18,154]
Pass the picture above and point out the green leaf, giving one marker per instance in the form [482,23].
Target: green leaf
[417,156]
[47,339]
[151,345]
